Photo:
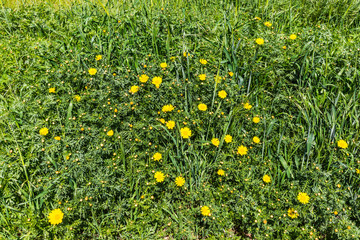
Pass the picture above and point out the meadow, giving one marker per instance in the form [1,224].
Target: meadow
[169,119]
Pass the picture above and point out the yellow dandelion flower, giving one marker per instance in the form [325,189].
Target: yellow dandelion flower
[77,98]
[259,41]
[215,142]
[185,54]
[167,108]
[157,81]
[231,74]
[52,90]
[157,156]
[98,57]
[303,198]
[292,37]
[247,106]
[162,120]
[222,94]
[57,138]
[44,131]
[180,181]
[92,71]
[203,61]
[110,133]
[266,178]
[268,24]
[242,150]
[342,144]
[205,211]
[292,213]
[143,78]
[202,107]
[284,47]
[228,138]
[202,77]
[163,65]
[159,176]
[221,172]
[358,171]
[56,216]
[185,132]
[257,18]
[256,119]
[170,124]
[134,89]
[256,139]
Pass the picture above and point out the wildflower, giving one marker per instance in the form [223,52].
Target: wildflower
[202,77]
[202,107]
[292,213]
[284,47]
[256,139]
[228,138]
[222,94]
[57,138]
[231,74]
[268,24]
[44,131]
[92,71]
[303,198]
[56,216]
[77,98]
[134,89]
[110,133]
[266,178]
[163,65]
[143,78]
[162,120]
[203,61]
[170,124]
[221,172]
[52,90]
[358,171]
[342,144]
[259,41]
[256,120]
[157,81]
[167,108]
[185,132]
[242,150]
[217,79]
[257,18]
[205,211]
[159,177]
[215,142]
[292,37]
[336,213]
[172,59]
[180,181]
[186,54]
[98,57]
[157,156]
[247,106]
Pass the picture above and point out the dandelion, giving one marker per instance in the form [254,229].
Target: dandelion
[247,106]
[257,18]
[242,150]
[56,216]
[342,144]
[143,78]
[134,89]
[77,98]
[221,172]
[231,74]
[222,94]
[167,108]
[170,124]
[98,57]
[162,120]
[228,138]
[303,198]
[266,178]
[92,71]
[203,61]
[44,131]
[159,177]
[157,156]
[57,138]
[284,47]
[256,119]
[180,181]
[185,54]
[357,171]
[202,77]
[268,24]
[51,90]
[292,37]
[292,213]
[185,132]
[163,65]
[215,142]
[259,41]
[256,139]
[205,211]
[110,133]
[157,81]
[202,107]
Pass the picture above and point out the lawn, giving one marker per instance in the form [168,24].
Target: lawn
[169,119]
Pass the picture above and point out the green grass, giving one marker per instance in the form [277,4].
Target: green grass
[306,95]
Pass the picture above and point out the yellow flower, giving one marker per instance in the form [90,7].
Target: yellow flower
[231,74]
[52,90]
[159,176]
[256,120]
[228,138]
[98,57]
[222,94]
[172,59]
[247,106]
[221,172]
[180,181]
[185,132]
[57,138]
[292,37]
[259,41]
[256,139]
[44,131]
[292,213]
[92,71]
[163,65]
[242,150]
[215,142]
[336,213]
[170,124]
[205,211]
[167,108]
[202,107]
[358,171]
[303,198]
[257,18]
[186,54]
[284,47]
[217,79]
[110,133]
[162,120]
[56,216]
[157,156]
[266,178]
[268,24]
[342,144]
[134,89]
[143,78]
[77,98]
[202,77]
[157,81]
[203,61]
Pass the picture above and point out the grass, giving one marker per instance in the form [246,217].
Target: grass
[306,96]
